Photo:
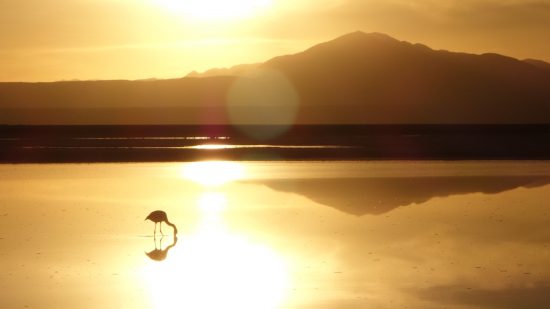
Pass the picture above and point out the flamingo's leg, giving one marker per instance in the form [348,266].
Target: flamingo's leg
[155,231]
[161,233]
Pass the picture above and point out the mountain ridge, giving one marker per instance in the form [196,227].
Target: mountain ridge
[357,78]
[238,70]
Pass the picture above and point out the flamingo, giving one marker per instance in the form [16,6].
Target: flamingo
[159,216]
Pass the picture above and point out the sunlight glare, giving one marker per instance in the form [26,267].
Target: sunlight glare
[212,147]
[213,173]
[215,10]
[218,270]
[211,204]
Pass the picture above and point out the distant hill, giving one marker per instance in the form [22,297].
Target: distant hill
[358,78]
[237,70]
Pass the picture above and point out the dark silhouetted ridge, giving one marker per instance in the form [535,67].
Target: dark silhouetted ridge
[538,63]
[358,78]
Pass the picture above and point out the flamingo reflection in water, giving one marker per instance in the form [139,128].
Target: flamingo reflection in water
[159,254]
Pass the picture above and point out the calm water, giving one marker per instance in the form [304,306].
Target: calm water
[276,235]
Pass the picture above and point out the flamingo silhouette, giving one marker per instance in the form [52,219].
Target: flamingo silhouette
[159,216]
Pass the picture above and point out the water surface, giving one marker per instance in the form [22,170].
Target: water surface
[276,235]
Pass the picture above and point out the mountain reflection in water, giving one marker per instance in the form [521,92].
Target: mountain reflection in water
[380,195]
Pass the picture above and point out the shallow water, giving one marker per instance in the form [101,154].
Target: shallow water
[276,235]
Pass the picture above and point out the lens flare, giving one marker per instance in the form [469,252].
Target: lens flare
[263,97]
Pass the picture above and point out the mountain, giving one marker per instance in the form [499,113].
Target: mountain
[538,63]
[358,78]
[373,78]
[237,70]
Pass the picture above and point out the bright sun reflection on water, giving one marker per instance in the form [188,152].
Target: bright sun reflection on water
[212,204]
[213,173]
[215,268]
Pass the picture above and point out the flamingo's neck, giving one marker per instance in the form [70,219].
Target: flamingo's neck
[173,226]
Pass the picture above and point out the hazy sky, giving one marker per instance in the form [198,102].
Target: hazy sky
[135,39]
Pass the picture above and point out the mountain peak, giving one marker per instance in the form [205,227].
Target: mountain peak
[360,35]
[357,41]
[363,38]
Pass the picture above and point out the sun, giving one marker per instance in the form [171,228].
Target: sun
[215,10]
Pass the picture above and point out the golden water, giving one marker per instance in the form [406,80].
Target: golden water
[276,235]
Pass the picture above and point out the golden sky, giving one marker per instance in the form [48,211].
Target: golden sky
[136,39]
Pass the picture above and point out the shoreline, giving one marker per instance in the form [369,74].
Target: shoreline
[86,144]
